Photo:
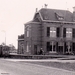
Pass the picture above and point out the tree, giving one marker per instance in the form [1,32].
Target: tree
[12,47]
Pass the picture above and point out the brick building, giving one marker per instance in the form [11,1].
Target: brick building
[52,30]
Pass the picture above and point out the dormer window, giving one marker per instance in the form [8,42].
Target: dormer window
[59,16]
[46,18]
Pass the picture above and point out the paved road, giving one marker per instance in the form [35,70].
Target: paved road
[21,68]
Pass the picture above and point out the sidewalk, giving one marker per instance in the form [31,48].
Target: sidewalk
[42,60]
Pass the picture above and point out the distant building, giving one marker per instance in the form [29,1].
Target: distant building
[4,50]
[20,44]
[52,30]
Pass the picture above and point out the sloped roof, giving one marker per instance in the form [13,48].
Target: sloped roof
[50,14]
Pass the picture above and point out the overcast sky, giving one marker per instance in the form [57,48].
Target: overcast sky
[15,13]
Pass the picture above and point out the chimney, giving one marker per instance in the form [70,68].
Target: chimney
[36,10]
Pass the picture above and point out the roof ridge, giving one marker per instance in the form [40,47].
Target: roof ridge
[54,9]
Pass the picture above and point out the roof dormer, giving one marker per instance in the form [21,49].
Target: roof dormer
[59,16]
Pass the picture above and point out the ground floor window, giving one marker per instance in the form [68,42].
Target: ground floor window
[51,46]
[61,47]
[68,47]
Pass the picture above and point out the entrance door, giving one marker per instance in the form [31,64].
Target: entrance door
[35,49]
[60,47]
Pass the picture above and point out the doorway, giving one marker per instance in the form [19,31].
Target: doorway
[60,47]
[35,49]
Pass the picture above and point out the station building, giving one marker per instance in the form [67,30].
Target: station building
[53,30]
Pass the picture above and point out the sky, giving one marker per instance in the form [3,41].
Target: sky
[15,13]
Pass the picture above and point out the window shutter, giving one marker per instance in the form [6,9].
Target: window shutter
[58,32]
[73,33]
[64,32]
[48,31]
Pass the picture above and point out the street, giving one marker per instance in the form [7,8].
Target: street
[8,67]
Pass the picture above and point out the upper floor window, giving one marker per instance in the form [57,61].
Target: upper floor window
[28,29]
[68,32]
[52,32]
[27,32]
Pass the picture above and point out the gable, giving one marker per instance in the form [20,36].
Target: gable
[37,18]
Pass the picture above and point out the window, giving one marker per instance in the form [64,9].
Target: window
[68,32]
[27,46]
[52,32]
[27,33]
[59,16]
[51,46]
